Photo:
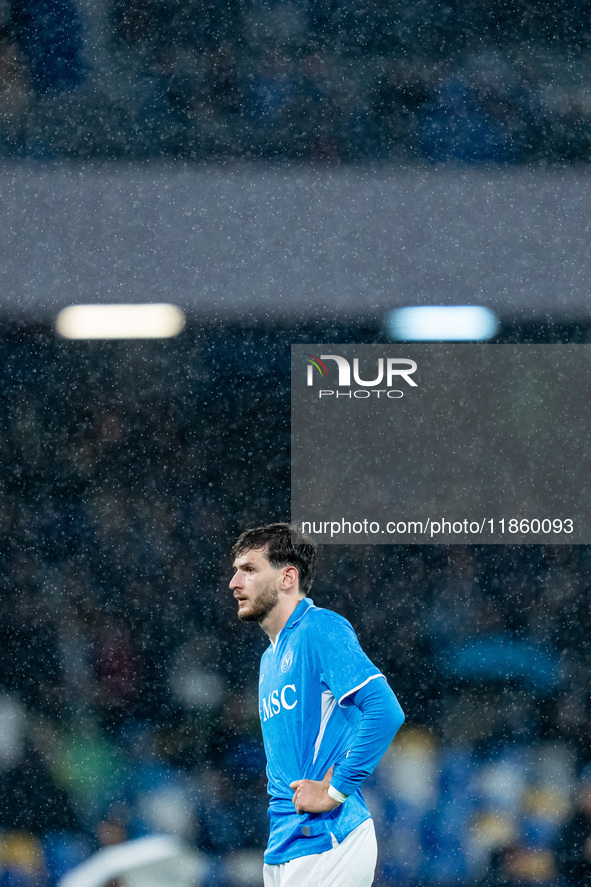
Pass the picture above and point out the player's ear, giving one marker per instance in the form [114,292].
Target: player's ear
[290,577]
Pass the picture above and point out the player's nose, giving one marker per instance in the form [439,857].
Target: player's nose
[235,581]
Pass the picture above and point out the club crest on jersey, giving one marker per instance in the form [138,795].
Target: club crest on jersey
[286,661]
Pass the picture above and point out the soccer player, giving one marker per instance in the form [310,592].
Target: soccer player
[327,714]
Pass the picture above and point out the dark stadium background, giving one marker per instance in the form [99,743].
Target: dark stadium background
[285,172]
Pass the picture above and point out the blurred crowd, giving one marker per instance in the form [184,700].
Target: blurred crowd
[128,687]
[299,80]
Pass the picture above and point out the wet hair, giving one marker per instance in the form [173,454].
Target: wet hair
[286,546]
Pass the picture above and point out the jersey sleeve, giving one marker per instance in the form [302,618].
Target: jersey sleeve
[381,718]
[344,667]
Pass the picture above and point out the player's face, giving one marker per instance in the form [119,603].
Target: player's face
[255,585]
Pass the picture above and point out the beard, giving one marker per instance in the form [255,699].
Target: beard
[261,606]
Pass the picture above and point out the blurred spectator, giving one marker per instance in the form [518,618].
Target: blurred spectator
[513,866]
[89,766]
[22,862]
[400,92]
[49,35]
[454,126]
[573,849]
[31,799]
[116,667]
[15,96]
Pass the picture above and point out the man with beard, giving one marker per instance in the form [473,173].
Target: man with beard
[327,716]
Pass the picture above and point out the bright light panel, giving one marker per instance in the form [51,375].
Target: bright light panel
[156,321]
[442,323]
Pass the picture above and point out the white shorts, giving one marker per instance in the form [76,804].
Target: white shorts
[351,863]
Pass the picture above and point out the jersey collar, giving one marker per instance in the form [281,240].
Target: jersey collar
[300,611]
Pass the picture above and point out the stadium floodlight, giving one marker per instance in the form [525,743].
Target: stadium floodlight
[442,323]
[152,321]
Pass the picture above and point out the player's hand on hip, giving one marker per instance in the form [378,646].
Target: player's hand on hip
[311,796]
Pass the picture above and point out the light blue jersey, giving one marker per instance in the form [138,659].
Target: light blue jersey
[308,722]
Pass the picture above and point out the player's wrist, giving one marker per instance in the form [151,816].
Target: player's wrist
[336,795]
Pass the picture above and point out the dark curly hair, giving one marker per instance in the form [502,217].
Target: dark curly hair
[285,545]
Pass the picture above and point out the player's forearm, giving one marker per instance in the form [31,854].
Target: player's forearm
[381,719]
